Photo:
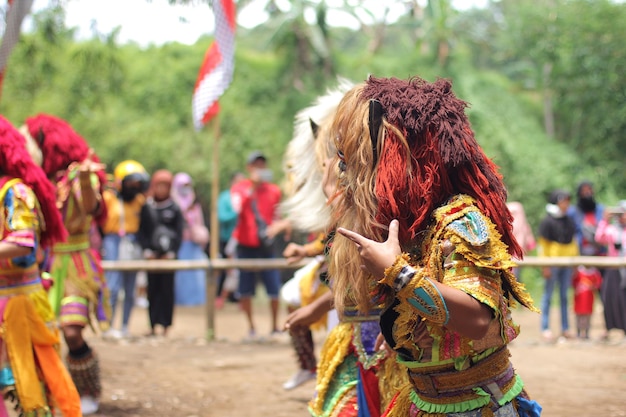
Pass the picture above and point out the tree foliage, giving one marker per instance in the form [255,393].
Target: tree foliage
[135,103]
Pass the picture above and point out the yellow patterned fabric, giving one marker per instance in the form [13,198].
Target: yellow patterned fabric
[32,348]
[30,341]
[349,363]
[74,266]
[462,250]
[334,351]
[312,288]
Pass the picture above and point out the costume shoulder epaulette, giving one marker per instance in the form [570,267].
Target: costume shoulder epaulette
[471,227]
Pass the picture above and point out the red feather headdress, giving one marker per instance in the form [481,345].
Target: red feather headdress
[60,146]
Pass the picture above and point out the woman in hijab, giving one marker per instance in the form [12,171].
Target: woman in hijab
[190,285]
[160,235]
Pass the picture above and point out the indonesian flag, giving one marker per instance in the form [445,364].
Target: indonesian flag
[217,68]
[18,9]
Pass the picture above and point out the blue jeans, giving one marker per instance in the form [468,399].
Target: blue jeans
[118,280]
[562,275]
[247,279]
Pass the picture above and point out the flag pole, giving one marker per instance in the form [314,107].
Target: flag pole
[215,190]
[213,79]
[214,246]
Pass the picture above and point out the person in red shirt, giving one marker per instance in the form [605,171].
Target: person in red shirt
[256,201]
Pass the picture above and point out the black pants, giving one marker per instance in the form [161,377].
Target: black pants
[222,277]
[161,298]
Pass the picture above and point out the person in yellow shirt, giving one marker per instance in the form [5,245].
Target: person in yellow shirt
[557,237]
[124,202]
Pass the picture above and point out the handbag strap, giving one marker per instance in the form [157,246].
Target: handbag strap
[152,212]
[122,229]
[261,224]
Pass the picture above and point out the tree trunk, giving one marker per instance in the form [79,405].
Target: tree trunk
[548,111]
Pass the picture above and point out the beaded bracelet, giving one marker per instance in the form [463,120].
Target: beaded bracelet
[392,272]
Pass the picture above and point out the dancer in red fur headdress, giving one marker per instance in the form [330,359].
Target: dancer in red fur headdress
[414,178]
[79,291]
[32,372]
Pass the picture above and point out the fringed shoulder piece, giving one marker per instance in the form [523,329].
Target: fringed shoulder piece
[476,238]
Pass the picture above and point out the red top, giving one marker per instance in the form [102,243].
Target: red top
[267,196]
[585,282]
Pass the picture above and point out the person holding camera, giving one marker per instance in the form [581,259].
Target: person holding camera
[611,231]
[256,201]
[160,235]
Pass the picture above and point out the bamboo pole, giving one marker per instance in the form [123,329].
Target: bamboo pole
[213,266]
[212,274]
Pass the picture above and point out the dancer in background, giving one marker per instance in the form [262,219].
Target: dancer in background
[306,210]
[32,373]
[354,376]
[79,293]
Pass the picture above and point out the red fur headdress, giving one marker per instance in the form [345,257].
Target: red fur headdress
[405,148]
[60,146]
[445,157]
[16,162]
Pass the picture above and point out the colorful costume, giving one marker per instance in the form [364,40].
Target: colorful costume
[31,370]
[353,379]
[450,373]
[306,209]
[406,152]
[79,292]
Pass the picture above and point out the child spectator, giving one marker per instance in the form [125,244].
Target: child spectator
[585,281]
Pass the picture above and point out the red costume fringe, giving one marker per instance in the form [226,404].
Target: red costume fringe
[16,162]
[445,158]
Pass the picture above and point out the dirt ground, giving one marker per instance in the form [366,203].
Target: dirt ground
[186,376]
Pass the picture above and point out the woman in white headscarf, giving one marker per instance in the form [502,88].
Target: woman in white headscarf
[190,285]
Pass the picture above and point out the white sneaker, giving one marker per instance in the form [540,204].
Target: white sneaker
[89,405]
[141,302]
[112,334]
[124,333]
[299,378]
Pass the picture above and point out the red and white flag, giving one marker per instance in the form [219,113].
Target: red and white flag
[217,68]
[18,9]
